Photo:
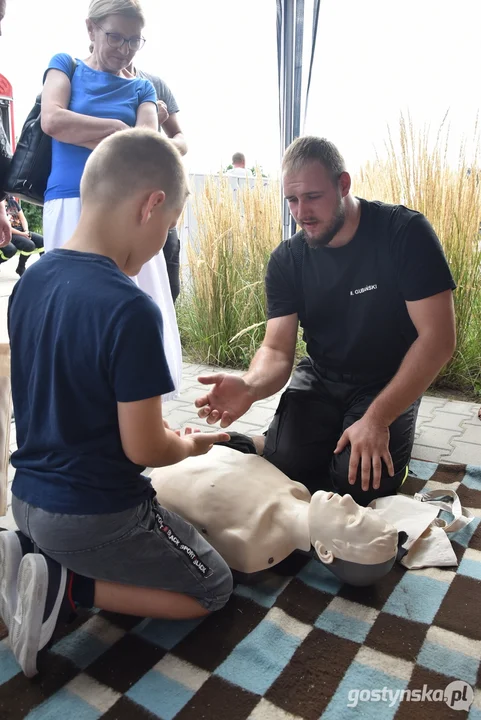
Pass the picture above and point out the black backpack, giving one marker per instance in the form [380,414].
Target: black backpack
[32,160]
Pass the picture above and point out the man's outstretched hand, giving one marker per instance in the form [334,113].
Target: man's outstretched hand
[228,399]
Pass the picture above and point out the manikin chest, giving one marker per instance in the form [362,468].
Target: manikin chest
[246,520]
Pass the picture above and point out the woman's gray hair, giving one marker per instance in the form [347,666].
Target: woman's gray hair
[99,9]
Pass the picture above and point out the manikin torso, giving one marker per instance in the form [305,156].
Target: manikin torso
[253,524]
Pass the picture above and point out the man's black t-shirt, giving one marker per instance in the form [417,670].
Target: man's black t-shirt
[351,300]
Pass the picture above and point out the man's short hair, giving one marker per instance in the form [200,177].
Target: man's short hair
[238,159]
[310,148]
[134,160]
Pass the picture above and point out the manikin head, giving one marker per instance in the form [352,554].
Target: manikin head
[316,184]
[239,160]
[354,542]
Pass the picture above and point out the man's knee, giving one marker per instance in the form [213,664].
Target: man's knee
[283,445]
[340,480]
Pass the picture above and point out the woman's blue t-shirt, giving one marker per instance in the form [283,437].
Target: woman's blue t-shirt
[98,94]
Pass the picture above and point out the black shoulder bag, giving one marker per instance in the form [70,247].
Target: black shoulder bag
[32,160]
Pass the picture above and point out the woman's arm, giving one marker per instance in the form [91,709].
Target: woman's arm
[147,116]
[65,125]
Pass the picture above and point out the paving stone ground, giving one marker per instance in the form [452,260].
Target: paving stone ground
[446,430]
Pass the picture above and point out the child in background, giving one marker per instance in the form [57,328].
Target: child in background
[23,243]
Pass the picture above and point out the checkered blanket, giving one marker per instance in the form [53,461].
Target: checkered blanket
[298,645]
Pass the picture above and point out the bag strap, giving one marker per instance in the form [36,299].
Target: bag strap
[462,517]
[72,68]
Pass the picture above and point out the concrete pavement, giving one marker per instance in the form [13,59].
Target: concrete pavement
[446,430]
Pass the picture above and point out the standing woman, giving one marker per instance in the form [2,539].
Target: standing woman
[84,102]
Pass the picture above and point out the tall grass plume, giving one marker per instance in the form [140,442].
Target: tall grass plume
[416,171]
[222,309]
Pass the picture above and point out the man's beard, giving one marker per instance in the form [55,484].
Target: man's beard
[337,223]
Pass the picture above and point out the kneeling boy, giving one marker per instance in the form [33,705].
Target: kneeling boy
[89,370]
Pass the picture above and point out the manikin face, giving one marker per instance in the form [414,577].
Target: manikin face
[316,202]
[340,528]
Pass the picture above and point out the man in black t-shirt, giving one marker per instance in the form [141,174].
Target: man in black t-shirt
[372,290]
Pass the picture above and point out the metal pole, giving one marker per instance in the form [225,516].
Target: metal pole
[297,81]
[287,71]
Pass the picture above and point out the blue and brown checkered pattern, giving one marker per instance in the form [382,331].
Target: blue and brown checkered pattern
[290,648]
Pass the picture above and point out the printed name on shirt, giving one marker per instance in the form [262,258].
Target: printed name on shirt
[188,552]
[359,291]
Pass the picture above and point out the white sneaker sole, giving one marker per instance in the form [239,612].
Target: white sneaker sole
[10,558]
[26,627]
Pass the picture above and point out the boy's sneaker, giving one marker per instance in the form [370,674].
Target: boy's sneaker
[41,590]
[13,546]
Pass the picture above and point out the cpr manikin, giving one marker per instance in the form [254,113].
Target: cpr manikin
[255,516]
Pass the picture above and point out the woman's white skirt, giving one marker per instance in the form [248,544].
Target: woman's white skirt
[60,219]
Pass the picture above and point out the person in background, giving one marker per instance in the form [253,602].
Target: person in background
[23,241]
[238,168]
[85,101]
[168,111]
[5,229]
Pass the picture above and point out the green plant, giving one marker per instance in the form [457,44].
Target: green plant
[416,172]
[34,216]
[222,309]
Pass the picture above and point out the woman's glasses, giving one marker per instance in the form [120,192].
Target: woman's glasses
[115,40]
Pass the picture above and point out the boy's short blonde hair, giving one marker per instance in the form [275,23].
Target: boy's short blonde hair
[100,9]
[131,161]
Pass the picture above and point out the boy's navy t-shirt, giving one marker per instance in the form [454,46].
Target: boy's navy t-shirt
[83,337]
